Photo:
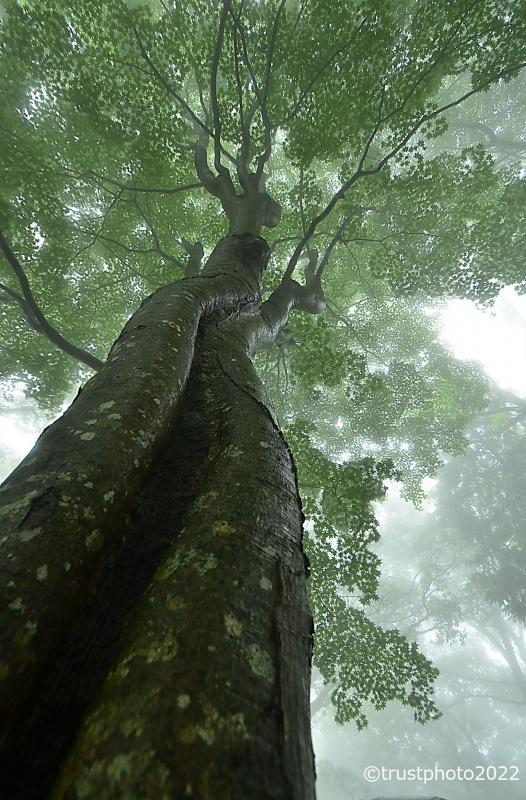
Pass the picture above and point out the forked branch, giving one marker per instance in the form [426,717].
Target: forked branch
[190,114]
[259,92]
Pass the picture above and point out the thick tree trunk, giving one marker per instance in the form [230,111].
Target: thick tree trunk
[157,636]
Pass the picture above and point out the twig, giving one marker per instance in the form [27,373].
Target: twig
[317,76]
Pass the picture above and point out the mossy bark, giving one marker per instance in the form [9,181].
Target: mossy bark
[174,651]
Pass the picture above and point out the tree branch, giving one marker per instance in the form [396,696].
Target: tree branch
[219,186]
[270,52]
[221,170]
[195,257]
[374,130]
[330,247]
[302,208]
[317,76]
[312,259]
[299,15]
[316,221]
[432,114]
[244,151]
[360,172]
[11,296]
[45,327]
[116,198]
[264,157]
[146,215]
[180,99]
[442,53]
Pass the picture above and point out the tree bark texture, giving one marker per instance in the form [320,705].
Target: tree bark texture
[155,631]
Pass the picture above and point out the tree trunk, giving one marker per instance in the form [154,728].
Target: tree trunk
[157,616]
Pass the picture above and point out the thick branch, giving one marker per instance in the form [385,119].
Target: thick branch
[265,155]
[213,91]
[219,186]
[45,327]
[195,257]
[261,330]
[312,257]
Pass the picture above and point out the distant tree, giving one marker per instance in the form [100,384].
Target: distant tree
[155,629]
[495,124]
[481,504]
[469,570]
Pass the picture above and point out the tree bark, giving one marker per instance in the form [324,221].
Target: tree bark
[171,657]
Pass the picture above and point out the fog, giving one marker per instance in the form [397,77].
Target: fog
[481,691]
[438,566]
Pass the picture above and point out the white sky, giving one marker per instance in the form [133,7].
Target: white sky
[496,338]
[15,437]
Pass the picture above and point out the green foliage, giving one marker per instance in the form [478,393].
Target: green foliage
[451,582]
[367,663]
[370,664]
[383,386]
